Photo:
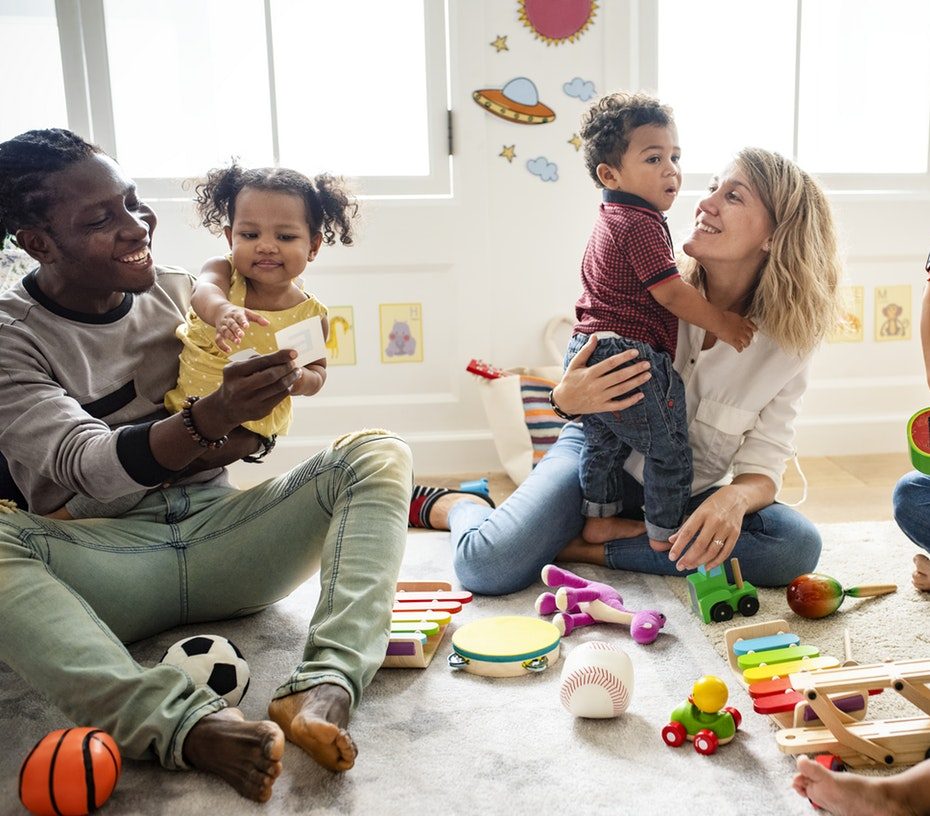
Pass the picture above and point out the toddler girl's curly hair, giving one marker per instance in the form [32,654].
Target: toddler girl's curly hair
[329,206]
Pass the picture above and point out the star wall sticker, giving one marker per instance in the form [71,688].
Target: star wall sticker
[500,43]
[508,152]
[575,141]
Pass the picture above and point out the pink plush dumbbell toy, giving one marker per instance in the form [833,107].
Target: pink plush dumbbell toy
[579,602]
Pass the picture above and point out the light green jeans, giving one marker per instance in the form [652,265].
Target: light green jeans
[71,593]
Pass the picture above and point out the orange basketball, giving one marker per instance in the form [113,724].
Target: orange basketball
[70,772]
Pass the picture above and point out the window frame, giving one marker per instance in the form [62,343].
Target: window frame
[85,64]
[644,71]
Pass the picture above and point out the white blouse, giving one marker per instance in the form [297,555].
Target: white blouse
[741,407]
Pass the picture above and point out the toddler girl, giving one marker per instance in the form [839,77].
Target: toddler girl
[275,221]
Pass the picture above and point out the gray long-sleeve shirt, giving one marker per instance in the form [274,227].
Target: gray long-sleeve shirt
[77,391]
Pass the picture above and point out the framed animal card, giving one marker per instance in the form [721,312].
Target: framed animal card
[340,344]
[850,328]
[892,313]
[401,333]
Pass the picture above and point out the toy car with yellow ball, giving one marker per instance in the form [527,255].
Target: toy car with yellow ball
[702,718]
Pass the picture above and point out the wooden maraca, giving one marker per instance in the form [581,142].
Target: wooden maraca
[814,595]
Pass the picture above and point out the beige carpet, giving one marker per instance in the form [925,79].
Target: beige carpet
[436,741]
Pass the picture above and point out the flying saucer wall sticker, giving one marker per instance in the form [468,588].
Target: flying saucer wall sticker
[557,21]
[518,101]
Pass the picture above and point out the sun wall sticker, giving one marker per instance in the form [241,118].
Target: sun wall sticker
[557,21]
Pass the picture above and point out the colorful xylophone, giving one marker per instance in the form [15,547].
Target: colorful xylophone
[422,610]
[820,704]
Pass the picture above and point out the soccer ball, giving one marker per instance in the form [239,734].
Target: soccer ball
[214,661]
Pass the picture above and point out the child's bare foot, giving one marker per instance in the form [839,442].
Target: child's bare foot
[602,530]
[245,754]
[847,794]
[660,546]
[922,572]
[316,720]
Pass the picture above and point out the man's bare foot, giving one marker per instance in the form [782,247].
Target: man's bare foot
[847,794]
[922,572]
[245,754]
[602,530]
[316,720]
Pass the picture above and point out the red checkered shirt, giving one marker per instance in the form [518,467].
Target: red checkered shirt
[628,254]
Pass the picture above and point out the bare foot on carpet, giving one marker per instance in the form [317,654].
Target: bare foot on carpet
[582,552]
[847,794]
[245,754]
[922,572]
[316,720]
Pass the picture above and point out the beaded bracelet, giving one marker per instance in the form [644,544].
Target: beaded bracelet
[198,437]
[559,411]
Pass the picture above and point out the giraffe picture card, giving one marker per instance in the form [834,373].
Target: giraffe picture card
[340,345]
[305,337]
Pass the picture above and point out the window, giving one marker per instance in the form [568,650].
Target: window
[355,88]
[31,52]
[842,86]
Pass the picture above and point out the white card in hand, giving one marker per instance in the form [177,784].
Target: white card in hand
[306,338]
[240,356]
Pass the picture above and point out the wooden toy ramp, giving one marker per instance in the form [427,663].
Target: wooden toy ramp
[422,611]
[904,741]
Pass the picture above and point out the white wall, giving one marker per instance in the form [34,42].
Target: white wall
[492,264]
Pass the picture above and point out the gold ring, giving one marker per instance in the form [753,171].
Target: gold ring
[718,542]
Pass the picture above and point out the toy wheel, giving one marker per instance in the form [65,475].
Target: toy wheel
[674,734]
[748,606]
[705,742]
[831,762]
[734,713]
[721,611]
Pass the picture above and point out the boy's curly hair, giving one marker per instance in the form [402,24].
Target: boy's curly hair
[329,206]
[606,126]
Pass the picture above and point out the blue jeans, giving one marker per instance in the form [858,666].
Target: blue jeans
[911,502]
[656,427]
[503,550]
[72,592]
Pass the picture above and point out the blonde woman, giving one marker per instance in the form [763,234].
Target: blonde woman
[763,245]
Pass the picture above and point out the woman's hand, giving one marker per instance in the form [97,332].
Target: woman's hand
[710,533]
[593,390]
[719,518]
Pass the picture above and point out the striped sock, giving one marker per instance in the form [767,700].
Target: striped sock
[420,502]
[423,499]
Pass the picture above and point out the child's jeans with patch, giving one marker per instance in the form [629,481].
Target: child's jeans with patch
[656,426]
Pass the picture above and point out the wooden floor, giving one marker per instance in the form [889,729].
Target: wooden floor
[840,488]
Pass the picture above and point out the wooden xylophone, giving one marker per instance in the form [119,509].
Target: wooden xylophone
[820,704]
[422,610]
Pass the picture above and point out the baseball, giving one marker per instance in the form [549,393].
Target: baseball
[597,680]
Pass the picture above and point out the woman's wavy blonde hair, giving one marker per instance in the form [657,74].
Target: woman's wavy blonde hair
[795,299]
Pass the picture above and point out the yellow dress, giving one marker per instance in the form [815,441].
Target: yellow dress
[202,361]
